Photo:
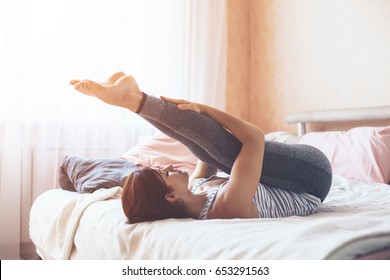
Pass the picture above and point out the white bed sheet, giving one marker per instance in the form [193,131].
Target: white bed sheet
[353,220]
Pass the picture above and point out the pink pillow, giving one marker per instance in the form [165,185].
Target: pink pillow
[161,151]
[361,154]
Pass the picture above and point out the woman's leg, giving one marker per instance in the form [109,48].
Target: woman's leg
[297,168]
[206,138]
[197,150]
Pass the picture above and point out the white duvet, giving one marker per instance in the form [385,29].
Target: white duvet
[354,219]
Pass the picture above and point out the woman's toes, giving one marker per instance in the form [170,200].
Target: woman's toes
[84,86]
[115,77]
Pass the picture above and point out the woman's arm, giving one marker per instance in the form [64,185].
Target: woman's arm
[203,170]
[234,200]
[240,128]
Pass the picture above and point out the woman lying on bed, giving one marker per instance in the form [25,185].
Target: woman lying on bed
[266,179]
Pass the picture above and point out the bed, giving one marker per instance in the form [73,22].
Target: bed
[352,223]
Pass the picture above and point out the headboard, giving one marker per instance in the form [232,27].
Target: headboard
[341,115]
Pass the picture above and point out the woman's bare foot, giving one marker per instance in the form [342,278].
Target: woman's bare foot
[119,90]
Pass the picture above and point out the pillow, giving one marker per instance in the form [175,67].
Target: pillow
[161,151]
[361,154]
[87,175]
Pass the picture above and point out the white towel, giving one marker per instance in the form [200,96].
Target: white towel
[60,235]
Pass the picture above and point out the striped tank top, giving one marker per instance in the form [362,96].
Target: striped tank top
[271,202]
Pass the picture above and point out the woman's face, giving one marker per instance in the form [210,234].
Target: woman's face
[174,178]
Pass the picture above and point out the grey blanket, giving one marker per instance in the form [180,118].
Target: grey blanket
[87,175]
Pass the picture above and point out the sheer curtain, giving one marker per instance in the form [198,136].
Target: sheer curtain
[175,48]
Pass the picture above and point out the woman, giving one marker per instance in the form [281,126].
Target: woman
[266,179]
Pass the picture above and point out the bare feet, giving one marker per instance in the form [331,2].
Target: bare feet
[119,90]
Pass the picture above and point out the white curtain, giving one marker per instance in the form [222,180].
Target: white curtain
[173,47]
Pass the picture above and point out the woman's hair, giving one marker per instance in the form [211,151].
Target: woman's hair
[143,198]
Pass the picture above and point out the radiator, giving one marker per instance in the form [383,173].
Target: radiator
[10,193]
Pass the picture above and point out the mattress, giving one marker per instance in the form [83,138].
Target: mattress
[353,221]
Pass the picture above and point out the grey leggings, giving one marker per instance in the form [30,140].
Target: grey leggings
[292,167]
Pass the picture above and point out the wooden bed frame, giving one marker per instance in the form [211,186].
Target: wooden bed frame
[381,113]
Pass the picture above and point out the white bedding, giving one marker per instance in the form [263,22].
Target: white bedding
[354,219]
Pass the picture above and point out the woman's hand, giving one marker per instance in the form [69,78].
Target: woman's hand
[185,105]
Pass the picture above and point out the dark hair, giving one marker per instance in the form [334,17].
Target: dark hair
[143,198]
